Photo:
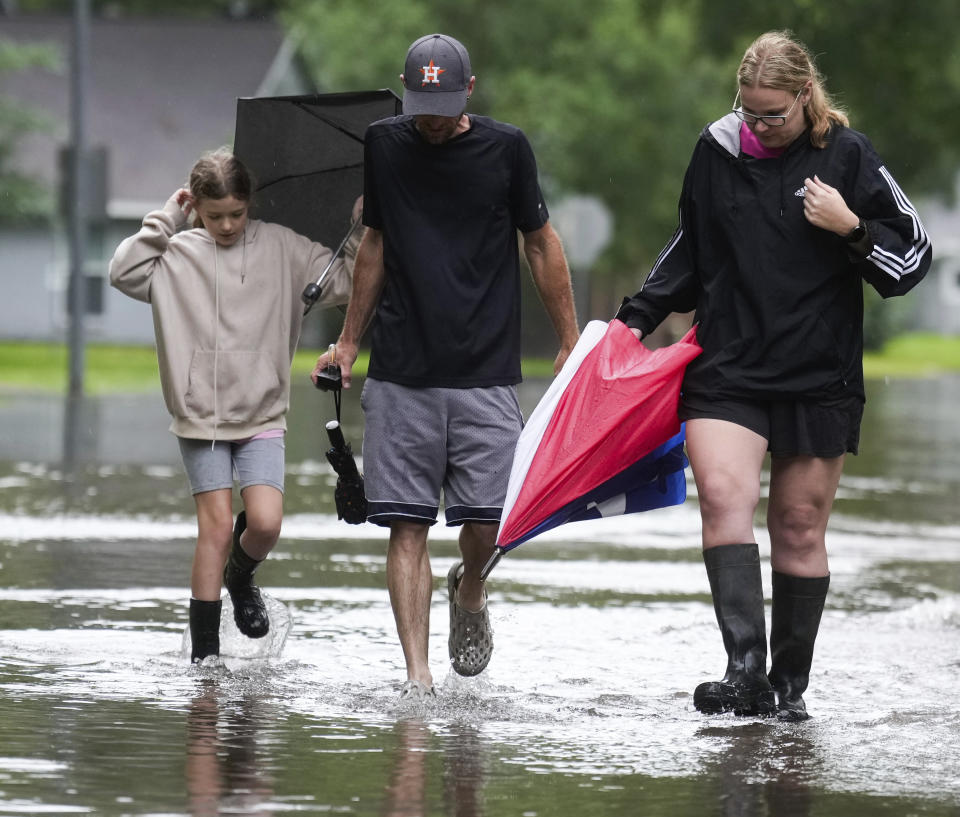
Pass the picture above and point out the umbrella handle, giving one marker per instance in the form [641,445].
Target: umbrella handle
[329,380]
[336,435]
[491,564]
[312,291]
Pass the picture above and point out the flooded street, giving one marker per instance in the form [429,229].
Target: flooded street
[602,631]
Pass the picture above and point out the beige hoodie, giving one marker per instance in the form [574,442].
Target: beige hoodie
[227,319]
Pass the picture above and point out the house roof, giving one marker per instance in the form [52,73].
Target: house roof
[159,93]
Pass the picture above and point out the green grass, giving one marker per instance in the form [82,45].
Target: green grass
[917,354]
[42,367]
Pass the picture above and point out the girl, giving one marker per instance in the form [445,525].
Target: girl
[784,212]
[227,316]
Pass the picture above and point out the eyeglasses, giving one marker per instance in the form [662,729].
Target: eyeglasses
[775,121]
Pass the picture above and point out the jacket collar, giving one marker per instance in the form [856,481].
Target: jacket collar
[726,133]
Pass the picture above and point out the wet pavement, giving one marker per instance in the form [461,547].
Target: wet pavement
[602,630]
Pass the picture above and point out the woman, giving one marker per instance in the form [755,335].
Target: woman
[227,314]
[784,209]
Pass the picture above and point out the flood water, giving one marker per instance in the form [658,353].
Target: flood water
[602,630]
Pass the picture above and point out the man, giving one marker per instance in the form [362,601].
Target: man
[437,273]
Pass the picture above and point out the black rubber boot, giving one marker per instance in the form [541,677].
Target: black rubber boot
[249,612]
[797,607]
[735,582]
[204,629]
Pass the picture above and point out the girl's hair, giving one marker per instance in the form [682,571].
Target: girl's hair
[778,60]
[219,174]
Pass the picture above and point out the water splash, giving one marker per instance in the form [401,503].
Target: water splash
[235,645]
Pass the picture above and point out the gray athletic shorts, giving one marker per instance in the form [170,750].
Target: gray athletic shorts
[252,462]
[419,442]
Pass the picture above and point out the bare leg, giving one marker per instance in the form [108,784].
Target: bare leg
[726,460]
[802,490]
[214,537]
[264,507]
[477,540]
[410,582]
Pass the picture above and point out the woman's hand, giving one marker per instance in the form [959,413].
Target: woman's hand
[825,208]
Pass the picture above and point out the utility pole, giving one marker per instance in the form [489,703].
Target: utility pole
[76,288]
[77,217]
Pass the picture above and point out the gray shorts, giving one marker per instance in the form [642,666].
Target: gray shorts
[252,462]
[418,442]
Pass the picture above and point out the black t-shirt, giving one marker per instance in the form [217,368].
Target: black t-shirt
[449,313]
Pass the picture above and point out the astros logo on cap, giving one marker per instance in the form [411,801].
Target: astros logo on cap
[431,74]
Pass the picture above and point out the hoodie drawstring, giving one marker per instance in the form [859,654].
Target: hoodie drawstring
[216,325]
[780,163]
[216,339]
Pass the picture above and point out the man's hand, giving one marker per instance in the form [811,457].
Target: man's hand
[561,358]
[344,355]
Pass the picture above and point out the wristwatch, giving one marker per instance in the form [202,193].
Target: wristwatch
[856,233]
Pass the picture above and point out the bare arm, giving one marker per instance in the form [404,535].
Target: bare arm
[368,276]
[551,276]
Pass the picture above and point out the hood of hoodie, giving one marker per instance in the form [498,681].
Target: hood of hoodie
[725,134]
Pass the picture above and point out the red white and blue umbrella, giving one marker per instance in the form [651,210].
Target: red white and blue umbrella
[604,440]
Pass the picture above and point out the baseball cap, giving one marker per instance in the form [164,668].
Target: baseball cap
[436,76]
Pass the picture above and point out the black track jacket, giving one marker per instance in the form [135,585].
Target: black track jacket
[778,301]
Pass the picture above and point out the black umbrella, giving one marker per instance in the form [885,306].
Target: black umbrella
[306,157]
[349,496]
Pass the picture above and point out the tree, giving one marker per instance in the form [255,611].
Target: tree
[22,198]
[235,9]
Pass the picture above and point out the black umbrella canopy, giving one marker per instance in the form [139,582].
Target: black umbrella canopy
[305,154]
